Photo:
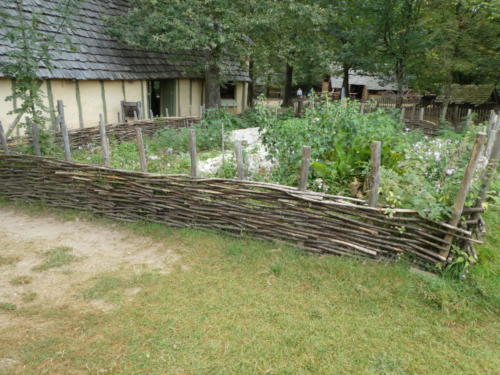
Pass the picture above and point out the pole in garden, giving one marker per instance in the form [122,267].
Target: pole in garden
[492,134]
[3,140]
[65,137]
[35,135]
[222,143]
[458,206]
[421,114]
[489,172]
[119,117]
[374,173]
[60,110]
[468,118]
[140,148]
[151,115]
[402,115]
[304,170]
[192,153]
[104,142]
[238,153]
[135,116]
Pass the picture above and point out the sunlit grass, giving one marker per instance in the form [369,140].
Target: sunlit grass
[240,306]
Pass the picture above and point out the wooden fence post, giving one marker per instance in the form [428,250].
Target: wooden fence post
[65,137]
[60,110]
[458,207]
[304,170]
[135,116]
[468,118]
[166,113]
[402,115]
[151,115]
[35,135]
[104,142]
[362,108]
[3,140]
[492,134]
[413,109]
[421,114]
[240,166]
[192,153]
[142,151]
[374,173]
[119,117]
[490,171]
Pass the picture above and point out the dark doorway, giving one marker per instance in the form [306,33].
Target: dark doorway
[358,90]
[163,97]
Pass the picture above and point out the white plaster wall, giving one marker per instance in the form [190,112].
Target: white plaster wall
[90,93]
[65,90]
[114,96]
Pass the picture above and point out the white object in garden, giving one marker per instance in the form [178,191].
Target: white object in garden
[253,148]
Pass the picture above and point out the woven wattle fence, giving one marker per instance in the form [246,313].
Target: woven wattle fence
[121,132]
[317,222]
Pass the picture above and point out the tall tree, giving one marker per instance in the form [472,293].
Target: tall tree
[403,38]
[212,32]
[33,50]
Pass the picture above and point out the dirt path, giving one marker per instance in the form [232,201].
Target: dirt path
[25,240]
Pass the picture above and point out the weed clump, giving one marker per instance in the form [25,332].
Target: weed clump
[56,257]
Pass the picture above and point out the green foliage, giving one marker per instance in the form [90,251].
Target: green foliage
[33,50]
[339,137]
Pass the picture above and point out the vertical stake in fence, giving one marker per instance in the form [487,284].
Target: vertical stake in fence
[374,173]
[104,142]
[222,143]
[468,118]
[304,170]
[362,108]
[402,115]
[192,153]
[421,114]
[119,117]
[190,110]
[458,207]
[151,115]
[142,151]
[492,134]
[489,172]
[65,137]
[35,134]
[201,112]
[413,109]
[238,153]
[135,116]
[166,112]
[3,140]
[60,110]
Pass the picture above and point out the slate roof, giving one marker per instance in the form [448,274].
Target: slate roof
[373,81]
[98,56]
[470,94]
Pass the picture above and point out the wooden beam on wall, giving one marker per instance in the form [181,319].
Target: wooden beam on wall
[50,97]
[104,106]
[79,104]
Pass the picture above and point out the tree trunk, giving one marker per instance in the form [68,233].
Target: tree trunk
[400,79]
[345,81]
[251,87]
[212,86]
[288,94]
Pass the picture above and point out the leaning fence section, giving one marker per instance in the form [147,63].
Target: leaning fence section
[317,222]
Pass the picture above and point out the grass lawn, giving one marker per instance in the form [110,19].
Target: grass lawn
[240,306]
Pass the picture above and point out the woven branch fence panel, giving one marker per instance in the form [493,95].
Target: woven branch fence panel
[121,132]
[317,222]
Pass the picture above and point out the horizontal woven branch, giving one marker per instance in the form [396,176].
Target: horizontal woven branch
[317,222]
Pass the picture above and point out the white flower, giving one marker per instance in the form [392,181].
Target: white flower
[153,157]
[437,155]
[449,171]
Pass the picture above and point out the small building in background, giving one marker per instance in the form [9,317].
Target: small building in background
[362,86]
[98,73]
[485,96]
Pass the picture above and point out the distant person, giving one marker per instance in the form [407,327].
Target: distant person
[299,93]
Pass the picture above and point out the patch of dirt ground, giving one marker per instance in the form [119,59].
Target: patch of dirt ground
[97,249]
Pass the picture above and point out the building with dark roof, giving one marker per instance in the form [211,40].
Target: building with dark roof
[97,73]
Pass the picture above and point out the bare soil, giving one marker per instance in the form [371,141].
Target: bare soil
[98,248]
